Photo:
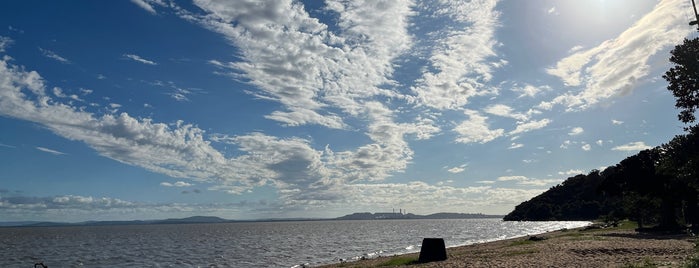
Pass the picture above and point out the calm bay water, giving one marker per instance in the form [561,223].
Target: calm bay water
[250,244]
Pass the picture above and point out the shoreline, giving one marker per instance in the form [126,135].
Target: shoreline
[580,247]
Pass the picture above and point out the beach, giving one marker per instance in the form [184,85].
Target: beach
[610,247]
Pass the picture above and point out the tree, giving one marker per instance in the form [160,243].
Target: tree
[684,78]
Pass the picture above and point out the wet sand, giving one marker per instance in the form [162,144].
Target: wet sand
[567,248]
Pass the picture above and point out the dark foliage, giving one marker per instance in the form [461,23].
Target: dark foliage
[683,78]
[657,186]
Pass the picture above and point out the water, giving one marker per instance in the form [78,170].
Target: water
[250,244]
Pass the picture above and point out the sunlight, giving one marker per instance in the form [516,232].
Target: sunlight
[599,19]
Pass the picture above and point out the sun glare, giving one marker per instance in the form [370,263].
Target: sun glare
[600,18]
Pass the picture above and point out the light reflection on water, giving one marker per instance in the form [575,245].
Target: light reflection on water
[248,244]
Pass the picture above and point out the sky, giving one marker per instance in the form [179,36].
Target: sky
[152,109]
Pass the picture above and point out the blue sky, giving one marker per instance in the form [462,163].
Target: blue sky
[150,109]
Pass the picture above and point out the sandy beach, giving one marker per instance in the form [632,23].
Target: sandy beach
[613,247]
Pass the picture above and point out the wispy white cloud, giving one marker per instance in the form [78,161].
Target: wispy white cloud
[515,145]
[529,126]
[456,170]
[523,180]
[176,184]
[633,146]
[7,146]
[5,42]
[530,90]
[52,55]
[505,111]
[615,67]
[571,172]
[476,129]
[576,131]
[147,5]
[464,58]
[617,122]
[138,58]
[51,151]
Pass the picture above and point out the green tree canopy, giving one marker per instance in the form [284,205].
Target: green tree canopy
[684,78]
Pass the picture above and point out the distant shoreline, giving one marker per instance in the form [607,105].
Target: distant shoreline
[210,219]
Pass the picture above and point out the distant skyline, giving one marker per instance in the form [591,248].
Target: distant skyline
[153,109]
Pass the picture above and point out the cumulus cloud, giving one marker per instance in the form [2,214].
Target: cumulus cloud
[295,60]
[617,122]
[614,67]
[458,169]
[476,129]
[138,58]
[464,59]
[633,146]
[586,147]
[505,111]
[530,90]
[523,127]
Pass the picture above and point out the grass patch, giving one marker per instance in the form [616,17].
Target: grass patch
[692,263]
[646,263]
[398,261]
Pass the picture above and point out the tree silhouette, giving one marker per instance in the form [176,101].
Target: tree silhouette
[684,78]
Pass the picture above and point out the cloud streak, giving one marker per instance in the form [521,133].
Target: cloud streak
[138,58]
[615,67]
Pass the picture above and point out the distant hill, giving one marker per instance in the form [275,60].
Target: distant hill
[399,216]
[189,220]
[209,219]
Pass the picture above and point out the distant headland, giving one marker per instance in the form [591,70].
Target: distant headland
[211,219]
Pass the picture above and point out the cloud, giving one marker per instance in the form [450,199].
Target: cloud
[614,67]
[504,111]
[576,131]
[52,55]
[139,59]
[47,150]
[144,5]
[293,59]
[633,146]
[515,145]
[617,122]
[476,129]
[529,90]
[571,172]
[176,184]
[7,146]
[5,42]
[523,180]
[456,170]
[463,59]
[586,147]
[529,126]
